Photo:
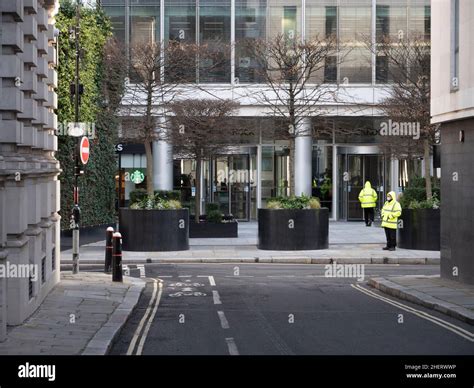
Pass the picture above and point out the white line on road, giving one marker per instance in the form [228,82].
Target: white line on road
[136,335]
[438,321]
[216,297]
[150,320]
[167,276]
[212,282]
[281,276]
[224,322]
[185,276]
[233,351]
[239,276]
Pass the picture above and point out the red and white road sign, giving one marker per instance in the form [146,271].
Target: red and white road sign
[84,150]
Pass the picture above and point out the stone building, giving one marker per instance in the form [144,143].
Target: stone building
[29,187]
[452,106]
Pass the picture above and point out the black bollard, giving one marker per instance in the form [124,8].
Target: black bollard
[117,275]
[108,249]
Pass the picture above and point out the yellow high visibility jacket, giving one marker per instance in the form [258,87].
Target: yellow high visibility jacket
[368,196]
[390,212]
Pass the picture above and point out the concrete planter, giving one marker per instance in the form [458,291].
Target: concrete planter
[419,229]
[292,230]
[213,230]
[154,230]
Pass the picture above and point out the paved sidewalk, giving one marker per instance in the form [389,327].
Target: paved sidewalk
[349,242]
[443,295]
[99,306]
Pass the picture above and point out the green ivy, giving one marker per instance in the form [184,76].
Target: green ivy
[97,185]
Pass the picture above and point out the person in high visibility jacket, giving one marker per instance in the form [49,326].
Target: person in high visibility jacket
[368,201]
[390,212]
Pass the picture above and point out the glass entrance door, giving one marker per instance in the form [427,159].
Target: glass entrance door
[361,168]
[232,185]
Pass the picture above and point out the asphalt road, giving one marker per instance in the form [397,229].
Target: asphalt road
[281,309]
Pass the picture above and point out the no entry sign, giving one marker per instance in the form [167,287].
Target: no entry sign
[84,150]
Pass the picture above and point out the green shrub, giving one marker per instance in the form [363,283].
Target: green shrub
[273,204]
[211,207]
[158,204]
[416,192]
[314,203]
[302,202]
[214,216]
[168,194]
[137,195]
[433,203]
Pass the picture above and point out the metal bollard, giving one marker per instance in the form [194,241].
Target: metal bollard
[108,249]
[117,275]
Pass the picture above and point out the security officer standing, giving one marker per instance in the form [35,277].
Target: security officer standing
[390,212]
[368,201]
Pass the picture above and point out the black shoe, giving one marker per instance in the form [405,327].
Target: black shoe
[367,224]
[370,223]
[385,248]
[392,249]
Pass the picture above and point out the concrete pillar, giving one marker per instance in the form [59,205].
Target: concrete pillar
[303,157]
[394,186]
[162,164]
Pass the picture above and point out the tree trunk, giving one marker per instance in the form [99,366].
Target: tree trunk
[429,191]
[149,169]
[197,203]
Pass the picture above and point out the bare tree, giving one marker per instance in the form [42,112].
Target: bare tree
[407,71]
[200,129]
[293,71]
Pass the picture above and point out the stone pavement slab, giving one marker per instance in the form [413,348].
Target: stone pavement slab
[81,315]
[443,295]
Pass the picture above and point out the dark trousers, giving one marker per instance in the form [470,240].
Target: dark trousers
[368,215]
[391,235]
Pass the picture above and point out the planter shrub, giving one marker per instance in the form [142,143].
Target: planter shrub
[295,223]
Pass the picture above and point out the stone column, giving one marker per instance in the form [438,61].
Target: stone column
[303,157]
[162,163]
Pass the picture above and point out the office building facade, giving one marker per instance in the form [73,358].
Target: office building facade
[333,164]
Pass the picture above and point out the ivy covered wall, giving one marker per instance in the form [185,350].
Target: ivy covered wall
[97,185]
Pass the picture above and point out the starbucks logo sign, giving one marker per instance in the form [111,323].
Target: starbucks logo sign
[137,177]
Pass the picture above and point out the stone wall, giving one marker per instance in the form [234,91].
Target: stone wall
[29,189]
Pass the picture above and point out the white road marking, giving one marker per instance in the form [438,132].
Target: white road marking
[185,276]
[150,320]
[167,276]
[136,335]
[216,297]
[239,276]
[224,322]
[141,267]
[212,282]
[281,276]
[438,321]
[233,351]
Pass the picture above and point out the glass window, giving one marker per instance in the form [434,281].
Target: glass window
[419,19]
[214,38]
[250,24]
[180,20]
[321,19]
[144,24]
[117,18]
[355,32]
[284,16]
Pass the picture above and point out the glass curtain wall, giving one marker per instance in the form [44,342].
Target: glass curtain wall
[214,37]
[355,26]
[144,22]
[250,25]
